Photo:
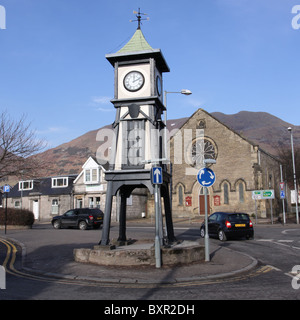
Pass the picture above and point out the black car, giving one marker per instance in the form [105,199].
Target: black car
[225,225]
[82,218]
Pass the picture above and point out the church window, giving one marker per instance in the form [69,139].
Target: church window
[241,192]
[180,195]
[202,148]
[226,193]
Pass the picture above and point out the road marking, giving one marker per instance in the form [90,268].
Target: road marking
[274,268]
[285,240]
[288,230]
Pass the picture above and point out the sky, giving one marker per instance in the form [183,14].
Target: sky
[234,55]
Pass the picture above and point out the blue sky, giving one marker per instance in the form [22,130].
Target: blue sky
[233,55]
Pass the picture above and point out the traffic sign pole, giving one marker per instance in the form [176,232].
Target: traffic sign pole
[157,179]
[206,238]
[282,185]
[206,177]
[157,240]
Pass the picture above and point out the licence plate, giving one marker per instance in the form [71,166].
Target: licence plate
[99,218]
[240,225]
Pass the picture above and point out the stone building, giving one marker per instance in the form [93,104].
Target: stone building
[241,167]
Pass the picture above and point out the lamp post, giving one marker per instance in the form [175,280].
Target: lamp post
[186,92]
[294,174]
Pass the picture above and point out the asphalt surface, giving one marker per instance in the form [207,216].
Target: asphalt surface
[49,253]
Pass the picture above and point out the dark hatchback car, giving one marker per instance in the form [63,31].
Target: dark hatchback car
[226,225]
[82,218]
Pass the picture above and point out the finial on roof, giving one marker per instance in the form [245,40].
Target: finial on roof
[139,17]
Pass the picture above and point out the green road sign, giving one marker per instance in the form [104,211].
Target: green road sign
[263,194]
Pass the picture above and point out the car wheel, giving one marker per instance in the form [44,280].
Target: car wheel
[202,232]
[222,235]
[56,224]
[82,225]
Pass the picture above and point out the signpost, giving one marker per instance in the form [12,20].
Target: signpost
[157,180]
[263,195]
[206,177]
[6,189]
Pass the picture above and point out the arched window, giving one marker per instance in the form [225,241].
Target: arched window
[180,195]
[226,193]
[241,192]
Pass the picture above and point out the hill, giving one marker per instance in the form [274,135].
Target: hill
[261,128]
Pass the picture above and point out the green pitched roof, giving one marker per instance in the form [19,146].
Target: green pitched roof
[136,43]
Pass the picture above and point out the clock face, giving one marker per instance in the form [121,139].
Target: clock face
[158,85]
[134,81]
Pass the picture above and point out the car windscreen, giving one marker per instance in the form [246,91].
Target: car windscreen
[238,217]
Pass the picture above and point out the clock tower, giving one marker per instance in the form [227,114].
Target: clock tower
[138,128]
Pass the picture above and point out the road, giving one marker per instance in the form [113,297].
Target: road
[277,249]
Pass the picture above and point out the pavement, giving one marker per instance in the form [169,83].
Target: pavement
[44,254]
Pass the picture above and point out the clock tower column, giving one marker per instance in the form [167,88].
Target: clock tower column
[138,129]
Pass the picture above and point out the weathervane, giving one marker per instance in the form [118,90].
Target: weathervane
[139,17]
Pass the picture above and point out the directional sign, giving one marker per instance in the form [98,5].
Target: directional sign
[156,175]
[256,195]
[206,177]
[263,194]
[6,188]
[268,194]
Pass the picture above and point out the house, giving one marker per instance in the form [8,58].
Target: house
[45,197]
[90,187]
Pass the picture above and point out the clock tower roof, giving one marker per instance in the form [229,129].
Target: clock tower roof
[138,48]
[136,43]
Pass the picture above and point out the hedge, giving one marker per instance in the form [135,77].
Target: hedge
[17,217]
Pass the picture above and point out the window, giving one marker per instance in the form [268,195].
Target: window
[180,196]
[134,140]
[59,182]
[226,194]
[91,202]
[17,204]
[92,175]
[241,192]
[26,185]
[98,202]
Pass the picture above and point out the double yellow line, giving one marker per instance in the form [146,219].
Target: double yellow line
[10,258]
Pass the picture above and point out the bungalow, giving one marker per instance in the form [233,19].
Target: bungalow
[45,197]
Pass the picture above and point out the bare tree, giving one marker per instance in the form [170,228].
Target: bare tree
[18,144]
[285,155]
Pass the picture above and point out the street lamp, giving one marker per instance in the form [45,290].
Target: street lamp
[186,92]
[294,173]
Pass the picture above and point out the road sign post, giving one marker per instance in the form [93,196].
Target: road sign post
[6,189]
[206,177]
[157,180]
[263,195]
[282,195]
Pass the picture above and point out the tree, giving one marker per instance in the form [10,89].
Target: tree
[285,155]
[18,144]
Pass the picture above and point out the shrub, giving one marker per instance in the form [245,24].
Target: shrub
[16,217]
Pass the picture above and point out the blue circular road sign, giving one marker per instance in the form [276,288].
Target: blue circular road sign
[206,177]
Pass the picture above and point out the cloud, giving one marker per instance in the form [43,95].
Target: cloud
[98,102]
[51,130]
[101,100]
